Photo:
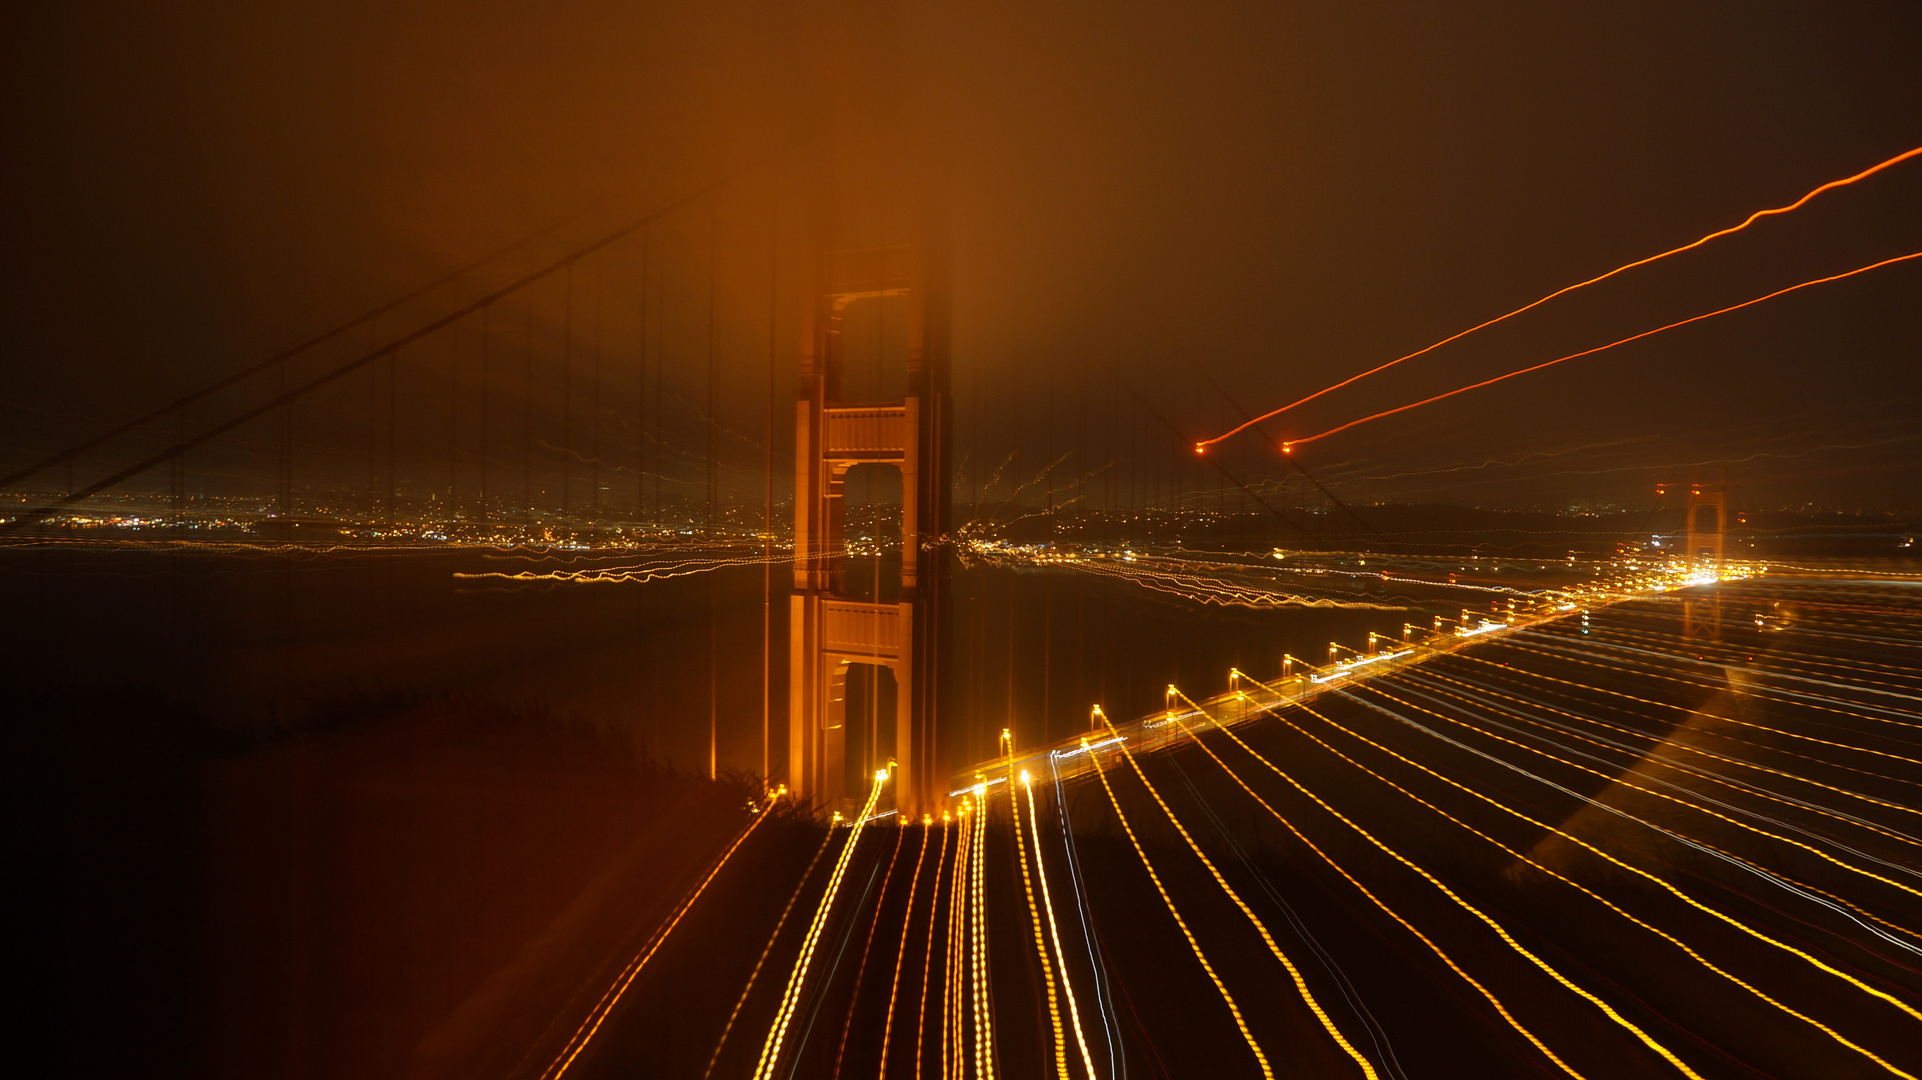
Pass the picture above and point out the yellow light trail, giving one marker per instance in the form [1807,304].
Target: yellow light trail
[1625,782]
[1660,882]
[1777,876]
[766,950]
[1706,774]
[1034,916]
[854,1003]
[907,923]
[1731,738]
[1054,930]
[791,999]
[1750,220]
[598,1015]
[1305,440]
[978,938]
[1523,857]
[1724,854]
[1234,1009]
[1758,690]
[1215,588]
[1673,646]
[1689,682]
[1294,973]
[1500,931]
[1391,912]
[927,959]
[1819,611]
[1670,645]
[951,1023]
[638,574]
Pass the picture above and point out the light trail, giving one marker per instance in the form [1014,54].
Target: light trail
[1817,604]
[1671,650]
[927,958]
[1664,884]
[1532,1038]
[1776,877]
[1643,583]
[1054,931]
[1630,784]
[1574,657]
[598,1015]
[1720,735]
[1230,584]
[984,1053]
[901,953]
[1103,1001]
[1607,1010]
[1676,648]
[1632,624]
[1383,1047]
[1672,939]
[1799,887]
[1596,850]
[816,1001]
[1305,440]
[639,573]
[790,999]
[1706,774]
[1034,917]
[1600,658]
[1849,636]
[1678,663]
[755,975]
[1750,220]
[854,1001]
[1294,973]
[1217,590]
[952,1031]
[1234,1009]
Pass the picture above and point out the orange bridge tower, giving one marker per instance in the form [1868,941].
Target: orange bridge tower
[828,630]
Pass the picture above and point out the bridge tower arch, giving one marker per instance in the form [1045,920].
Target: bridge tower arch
[1706,534]
[828,629]
[1706,527]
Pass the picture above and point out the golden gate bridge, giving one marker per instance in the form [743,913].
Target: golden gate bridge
[1656,821]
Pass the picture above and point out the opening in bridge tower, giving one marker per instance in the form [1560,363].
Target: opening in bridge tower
[830,630]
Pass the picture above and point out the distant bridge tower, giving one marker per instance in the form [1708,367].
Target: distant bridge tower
[1706,530]
[828,630]
[1707,525]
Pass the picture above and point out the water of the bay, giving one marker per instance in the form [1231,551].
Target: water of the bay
[247,639]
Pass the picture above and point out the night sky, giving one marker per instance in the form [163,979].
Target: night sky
[1218,207]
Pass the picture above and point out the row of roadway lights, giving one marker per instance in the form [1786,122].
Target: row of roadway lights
[1470,622]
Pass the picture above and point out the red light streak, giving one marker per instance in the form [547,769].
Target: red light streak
[1602,348]
[1750,220]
